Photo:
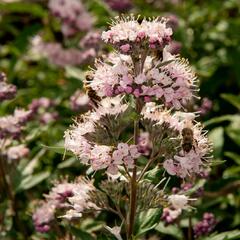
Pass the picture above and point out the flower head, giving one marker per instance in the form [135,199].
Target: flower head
[17,152]
[178,201]
[43,216]
[7,91]
[80,200]
[205,226]
[173,83]
[128,30]
[72,14]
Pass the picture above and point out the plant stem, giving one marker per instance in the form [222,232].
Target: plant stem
[11,196]
[133,186]
[190,228]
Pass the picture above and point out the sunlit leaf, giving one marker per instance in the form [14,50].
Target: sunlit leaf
[235,157]
[80,234]
[171,230]
[231,235]
[56,149]
[23,7]
[147,220]
[216,136]
[233,99]
[32,180]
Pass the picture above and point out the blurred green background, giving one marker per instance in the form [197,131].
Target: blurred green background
[208,34]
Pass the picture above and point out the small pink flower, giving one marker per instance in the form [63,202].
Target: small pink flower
[136,93]
[120,89]
[123,148]
[168,94]
[147,99]
[128,90]
[129,162]
[112,169]
[152,45]
[127,79]
[134,151]
[141,35]
[170,167]
[125,48]
[117,156]
[141,78]
[153,39]
[108,91]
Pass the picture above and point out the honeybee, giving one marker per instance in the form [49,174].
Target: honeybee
[158,54]
[90,92]
[79,119]
[188,140]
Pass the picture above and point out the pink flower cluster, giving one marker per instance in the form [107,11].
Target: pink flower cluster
[193,162]
[79,101]
[17,152]
[80,199]
[205,226]
[169,216]
[62,195]
[57,197]
[72,14]
[182,164]
[60,56]
[185,165]
[173,84]
[127,32]
[11,125]
[144,144]
[124,154]
[43,216]
[7,91]
[39,104]
[43,109]
[119,5]
[91,40]
[100,156]
[178,202]
[206,106]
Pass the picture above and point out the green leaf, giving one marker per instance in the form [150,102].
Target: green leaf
[29,168]
[219,119]
[230,235]
[68,163]
[235,157]
[32,180]
[80,234]
[217,162]
[147,220]
[231,172]
[152,174]
[216,136]
[104,237]
[233,99]
[234,134]
[74,73]
[24,7]
[58,149]
[171,230]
